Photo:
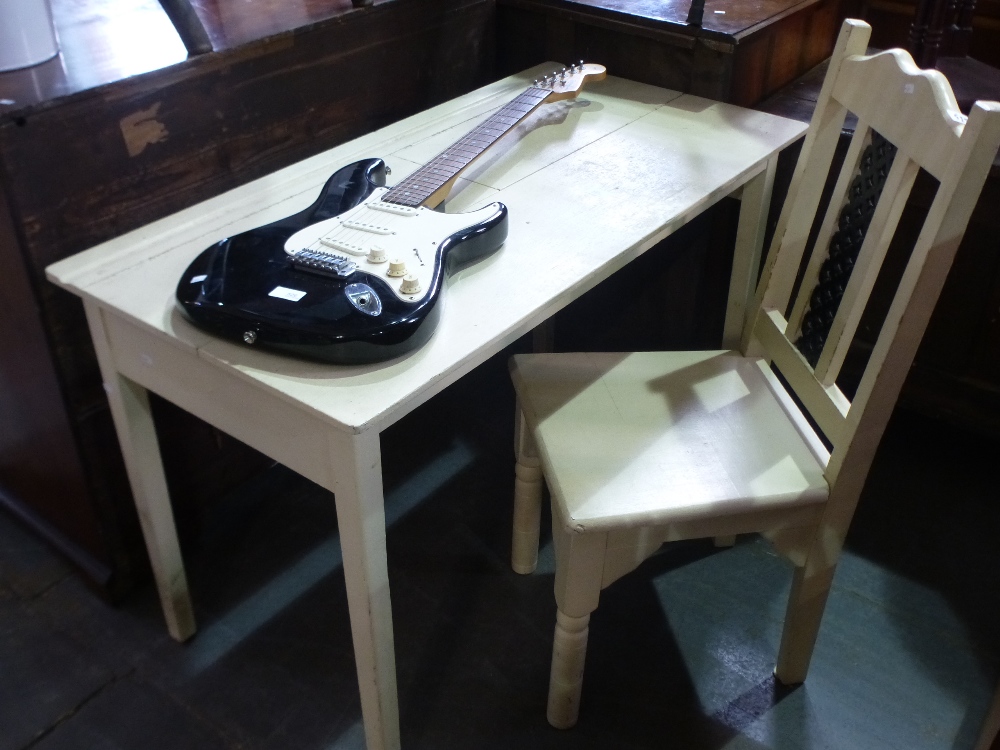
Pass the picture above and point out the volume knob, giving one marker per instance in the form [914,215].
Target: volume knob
[410,285]
[376,254]
[396,267]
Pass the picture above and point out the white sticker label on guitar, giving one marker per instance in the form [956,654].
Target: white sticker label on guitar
[285,293]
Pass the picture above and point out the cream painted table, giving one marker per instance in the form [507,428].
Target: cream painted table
[590,185]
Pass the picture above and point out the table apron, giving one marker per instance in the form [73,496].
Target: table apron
[291,436]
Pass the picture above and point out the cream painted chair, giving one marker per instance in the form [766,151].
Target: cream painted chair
[645,448]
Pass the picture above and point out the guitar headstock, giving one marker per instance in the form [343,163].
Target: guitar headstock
[566,83]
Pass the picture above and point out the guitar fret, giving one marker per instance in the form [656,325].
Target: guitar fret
[425,181]
[424,184]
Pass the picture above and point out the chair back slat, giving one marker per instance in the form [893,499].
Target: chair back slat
[907,120]
[838,200]
[804,194]
[827,405]
[866,268]
[820,300]
[897,99]
[806,187]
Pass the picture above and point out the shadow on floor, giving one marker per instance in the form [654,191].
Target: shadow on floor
[681,651]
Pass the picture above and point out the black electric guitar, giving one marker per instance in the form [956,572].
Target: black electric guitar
[356,276]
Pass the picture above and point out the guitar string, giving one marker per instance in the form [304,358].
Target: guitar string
[421,184]
[480,138]
[432,176]
[443,167]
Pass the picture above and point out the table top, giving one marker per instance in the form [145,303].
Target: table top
[590,184]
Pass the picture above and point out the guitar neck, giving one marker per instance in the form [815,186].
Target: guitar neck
[429,185]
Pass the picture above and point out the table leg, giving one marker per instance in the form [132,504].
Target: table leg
[357,488]
[543,336]
[989,737]
[755,202]
[133,420]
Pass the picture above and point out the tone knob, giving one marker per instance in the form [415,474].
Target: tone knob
[376,255]
[396,267]
[410,285]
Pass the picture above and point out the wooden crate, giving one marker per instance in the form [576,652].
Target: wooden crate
[739,55]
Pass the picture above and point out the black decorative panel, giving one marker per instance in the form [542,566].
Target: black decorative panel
[862,197]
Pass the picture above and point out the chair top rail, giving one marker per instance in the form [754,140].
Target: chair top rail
[894,97]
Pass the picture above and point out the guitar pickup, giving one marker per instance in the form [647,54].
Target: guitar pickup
[324,264]
[373,228]
[393,208]
[345,247]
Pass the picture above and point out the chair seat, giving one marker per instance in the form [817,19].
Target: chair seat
[655,438]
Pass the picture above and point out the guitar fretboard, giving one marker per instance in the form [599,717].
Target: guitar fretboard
[418,187]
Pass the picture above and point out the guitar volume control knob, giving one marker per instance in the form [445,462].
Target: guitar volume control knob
[396,268]
[410,285]
[376,255]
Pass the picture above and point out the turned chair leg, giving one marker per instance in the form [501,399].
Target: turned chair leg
[527,502]
[806,602]
[569,652]
[580,560]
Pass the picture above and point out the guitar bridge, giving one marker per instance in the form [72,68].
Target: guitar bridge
[324,264]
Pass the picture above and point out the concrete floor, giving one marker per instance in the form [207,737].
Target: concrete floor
[681,650]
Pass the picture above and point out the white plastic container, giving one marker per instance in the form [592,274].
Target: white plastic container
[27,36]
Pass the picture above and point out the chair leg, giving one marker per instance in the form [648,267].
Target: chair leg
[569,652]
[527,502]
[580,560]
[806,602]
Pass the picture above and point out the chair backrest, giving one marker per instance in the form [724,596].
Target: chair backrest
[907,120]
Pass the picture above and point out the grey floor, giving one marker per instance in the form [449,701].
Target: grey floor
[681,651]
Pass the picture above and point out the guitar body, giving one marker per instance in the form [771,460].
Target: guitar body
[357,276]
[308,285]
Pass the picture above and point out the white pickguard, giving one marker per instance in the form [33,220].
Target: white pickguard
[409,235]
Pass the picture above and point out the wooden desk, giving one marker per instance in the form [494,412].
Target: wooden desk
[590,185]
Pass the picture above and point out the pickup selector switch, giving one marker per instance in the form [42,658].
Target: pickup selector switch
[410,285]
[396,268]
